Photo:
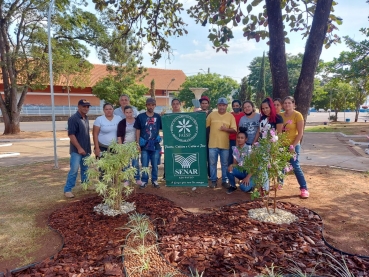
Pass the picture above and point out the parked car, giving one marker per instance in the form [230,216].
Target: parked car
[321,110]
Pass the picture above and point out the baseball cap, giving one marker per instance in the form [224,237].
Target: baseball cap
[150,101]
[204,98]
[83,102]
[222,100]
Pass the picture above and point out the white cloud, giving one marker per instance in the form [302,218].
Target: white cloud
[195,42]
[236,46]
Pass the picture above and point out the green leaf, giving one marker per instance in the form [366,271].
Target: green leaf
[287,40]
[249,8]
[212,37]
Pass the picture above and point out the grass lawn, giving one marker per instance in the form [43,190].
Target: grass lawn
[346,128]
[28,194]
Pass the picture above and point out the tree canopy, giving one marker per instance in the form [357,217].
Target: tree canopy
[24,44]
[152,22]
[312,18]
[217,85]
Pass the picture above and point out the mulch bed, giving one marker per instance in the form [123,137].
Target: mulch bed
[222,243]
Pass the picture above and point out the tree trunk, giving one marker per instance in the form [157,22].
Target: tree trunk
[357,110]
[9,104]
[152,89]
[11,126]
[313,49]
[277,51]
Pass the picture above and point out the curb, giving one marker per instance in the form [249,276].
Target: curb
[18,269]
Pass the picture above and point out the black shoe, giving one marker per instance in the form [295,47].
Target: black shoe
[213,184]
[155,184]
[225,185]
[231,189]
[143,185]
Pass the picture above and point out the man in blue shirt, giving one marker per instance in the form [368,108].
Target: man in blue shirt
[80,145]
[147,127]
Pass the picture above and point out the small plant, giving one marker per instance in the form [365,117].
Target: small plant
[340,267]
[111,185]
[268,161]
[270,272]
[139,226]
[196,273]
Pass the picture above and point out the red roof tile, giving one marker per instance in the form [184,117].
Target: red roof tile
[162,77]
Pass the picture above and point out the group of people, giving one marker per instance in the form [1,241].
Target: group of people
[123,125]
[228,135]
[243,130]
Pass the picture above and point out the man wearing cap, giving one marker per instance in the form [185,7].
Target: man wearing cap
[80,145]
[125,101]
[221,124]
[204,104]
[147,127]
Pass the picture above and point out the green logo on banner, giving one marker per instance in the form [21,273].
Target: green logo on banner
[184,128]
[186,164]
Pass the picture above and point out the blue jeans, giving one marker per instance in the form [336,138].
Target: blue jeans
[151,156]
[240,175]
[230,155]
[135,165]
[76,161]
[297,169]
[213,161]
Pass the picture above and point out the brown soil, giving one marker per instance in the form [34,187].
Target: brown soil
[225,242]
[340,197]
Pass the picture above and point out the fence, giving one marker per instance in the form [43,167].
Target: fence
[59,110]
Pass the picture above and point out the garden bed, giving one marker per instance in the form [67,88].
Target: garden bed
[225,242]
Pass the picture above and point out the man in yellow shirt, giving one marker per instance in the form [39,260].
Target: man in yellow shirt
[221,124]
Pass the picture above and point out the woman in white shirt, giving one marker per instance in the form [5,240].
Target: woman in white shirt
[105,129]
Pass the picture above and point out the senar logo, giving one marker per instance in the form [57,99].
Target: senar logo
[184,128]
[186,164]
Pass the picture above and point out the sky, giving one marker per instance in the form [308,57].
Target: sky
[193,53]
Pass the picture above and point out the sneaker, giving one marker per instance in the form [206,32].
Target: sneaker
[304,193]
[225,185]
[69,194]
[138,182]
[155,184]
[231,189]
[213,184]
[143,185]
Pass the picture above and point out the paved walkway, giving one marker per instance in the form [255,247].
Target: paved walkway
[330,149]
[333,149]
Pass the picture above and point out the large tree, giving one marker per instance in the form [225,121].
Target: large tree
[217,85]
[24,44]
[123,57]
[276,14]
[243,92]
[353,67]
[153,22]
[260,91]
